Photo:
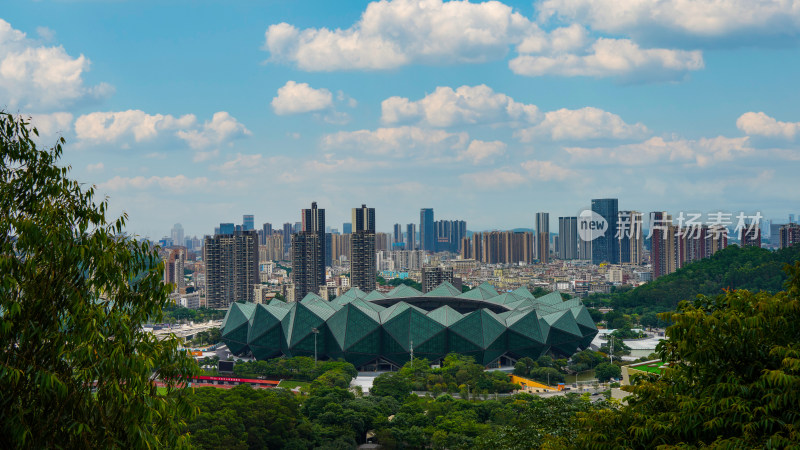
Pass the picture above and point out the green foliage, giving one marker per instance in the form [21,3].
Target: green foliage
[174,313]
[76,367]
[208,337]
[456,373]
[585,360]
[539,291]
[301,368]
[391,384]
[538,423]
[406,281]
[333,417]
[620,348]
[750,268]
[243,417]
[606,371]
[627,333]
[733,379]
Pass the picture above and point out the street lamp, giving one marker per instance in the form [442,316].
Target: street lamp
[316,332]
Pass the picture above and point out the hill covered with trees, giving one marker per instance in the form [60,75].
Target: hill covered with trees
[750,268]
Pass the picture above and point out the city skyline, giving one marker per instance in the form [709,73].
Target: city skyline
[199,113]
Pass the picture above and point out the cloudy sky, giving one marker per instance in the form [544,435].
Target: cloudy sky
[200,111]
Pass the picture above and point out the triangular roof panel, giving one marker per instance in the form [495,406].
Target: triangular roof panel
[403,291]
[444,290]
[445,315]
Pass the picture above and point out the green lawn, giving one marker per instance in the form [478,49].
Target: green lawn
[652,367]
[289,384]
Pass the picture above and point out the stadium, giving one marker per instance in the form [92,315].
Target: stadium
[379,330]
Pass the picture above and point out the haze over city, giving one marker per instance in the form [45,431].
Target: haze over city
[199,112]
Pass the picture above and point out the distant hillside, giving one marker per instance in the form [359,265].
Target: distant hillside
[751,268]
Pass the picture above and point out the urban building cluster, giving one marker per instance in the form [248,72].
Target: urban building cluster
[593,251]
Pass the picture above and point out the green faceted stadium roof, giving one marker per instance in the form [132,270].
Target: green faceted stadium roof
[367,327]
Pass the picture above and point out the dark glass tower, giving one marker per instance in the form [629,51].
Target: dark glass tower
[568,237]
[427,231]
[362,249]
[606,247]
[308,253]
[411,236]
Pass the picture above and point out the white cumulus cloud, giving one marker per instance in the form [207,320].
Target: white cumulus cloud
[464,105]
[699,152]
[36,77]
[220,130]
[399,141]
[109,127]
[468,105]
[479,151]
[121,126]
[295,98]
[395,33]
[612,57]
[581,124]
[739,19]
[760,124]
[174,184]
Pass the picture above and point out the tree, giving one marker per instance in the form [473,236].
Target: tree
[391,384]
[732,381]
[75,364]
[606,371]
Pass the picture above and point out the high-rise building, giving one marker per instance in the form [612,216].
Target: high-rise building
[789,235]
[231,267]
[266,232]
[568,237]
[177,234]
[662,253]
[584,249]
[750,236]
[791,218]
[543,237]
[248,222]
[340,247]
[604,248]
[226,228]
[287,237]
[173,268]
[433,276]
[328,249]
[272,249]
[398,234]
[308,253]
[411,236]
[427,232]
[499,247]
[298,227]
[383,241]
[630,238]
[362,244]
[449,234]
[347,228]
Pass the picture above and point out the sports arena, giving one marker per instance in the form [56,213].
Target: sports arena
[373,329]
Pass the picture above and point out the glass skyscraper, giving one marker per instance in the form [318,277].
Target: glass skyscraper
[427,231]
[606,247]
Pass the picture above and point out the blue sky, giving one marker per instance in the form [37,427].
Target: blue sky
[200,111]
